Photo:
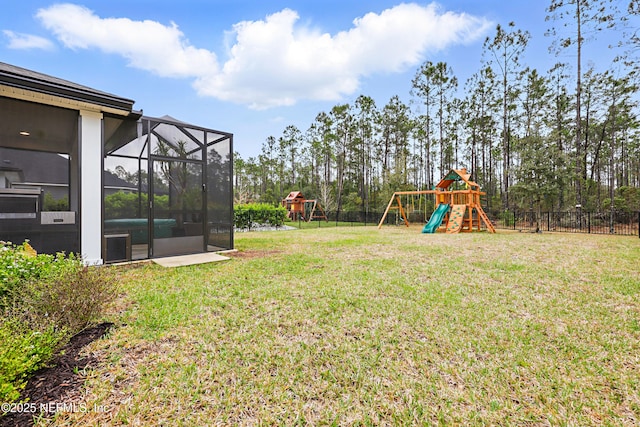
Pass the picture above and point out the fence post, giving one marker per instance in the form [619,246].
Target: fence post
[589,221]
[548,221]
[639,224]
[514,220]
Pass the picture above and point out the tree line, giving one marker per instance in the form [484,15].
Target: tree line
[557,139]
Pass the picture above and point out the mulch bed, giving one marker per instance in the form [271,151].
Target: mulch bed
[61,383]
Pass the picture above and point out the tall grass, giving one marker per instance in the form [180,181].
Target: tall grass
[356,326]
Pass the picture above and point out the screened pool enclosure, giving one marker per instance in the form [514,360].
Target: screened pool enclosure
[182,201]
[82,171]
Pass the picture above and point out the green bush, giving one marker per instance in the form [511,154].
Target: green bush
[18,264]
[244,216]
[44,299]
[626,200]
[506,218]
[70,297]
[22,352]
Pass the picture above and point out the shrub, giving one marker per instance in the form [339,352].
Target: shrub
[506,218]
[630,198]
[22,352]
[71,297]
[44,299]
[19,263]
[244,216]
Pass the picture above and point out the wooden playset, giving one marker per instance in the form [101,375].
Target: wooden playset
[456,209]
[299,208]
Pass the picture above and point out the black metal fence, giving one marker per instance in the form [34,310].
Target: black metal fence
[341,219]
[623,224]
[620,223]
[353,219]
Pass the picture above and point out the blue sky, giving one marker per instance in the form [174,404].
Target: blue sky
[254,67]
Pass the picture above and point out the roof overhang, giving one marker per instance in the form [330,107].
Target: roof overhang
[27,85]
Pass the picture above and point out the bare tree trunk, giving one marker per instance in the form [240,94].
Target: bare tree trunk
[579,172]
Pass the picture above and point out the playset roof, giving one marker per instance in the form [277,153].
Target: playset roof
[456,175]
[294,195]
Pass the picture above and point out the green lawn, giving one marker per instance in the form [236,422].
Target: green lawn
[359,326]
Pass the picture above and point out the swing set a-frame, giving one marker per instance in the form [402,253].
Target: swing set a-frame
[457,210]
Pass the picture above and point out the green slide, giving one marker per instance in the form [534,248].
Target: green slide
[436,219]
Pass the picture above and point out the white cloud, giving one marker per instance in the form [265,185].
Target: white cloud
[275,61]
[148,45]
[27,41]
